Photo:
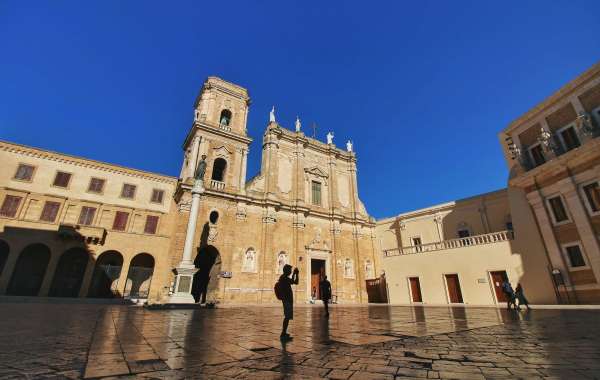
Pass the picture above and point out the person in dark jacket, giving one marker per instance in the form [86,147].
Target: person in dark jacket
[510,294]
[287,297]
[325,287]
[520,296]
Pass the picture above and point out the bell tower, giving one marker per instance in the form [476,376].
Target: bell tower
[219,133]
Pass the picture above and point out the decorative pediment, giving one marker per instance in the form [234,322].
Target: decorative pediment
[316,171]
[222,151]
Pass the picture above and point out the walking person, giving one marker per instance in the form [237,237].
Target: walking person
[510,294]
[283,292]
[325,287]
[521,297]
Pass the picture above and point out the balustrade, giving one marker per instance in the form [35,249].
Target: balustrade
[493,237]
[217,185]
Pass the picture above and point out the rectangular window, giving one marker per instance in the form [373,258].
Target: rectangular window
[316,193]
[24,172]
[128,191]
[86,217]
[10,206]
[569,138]
[120,222]
[62,179]
[157,196]
[537,155]
[575,256]
[592,195]
[96,185]
[50,211]
[151,224]
[417,244]
[558,209]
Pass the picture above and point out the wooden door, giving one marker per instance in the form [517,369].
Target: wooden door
[317,271]
[498,277]
[454,288]
[415,289]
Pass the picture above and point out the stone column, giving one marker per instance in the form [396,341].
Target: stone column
[545,224]
[185,270]
[193,160]
[243,171]
[584,227]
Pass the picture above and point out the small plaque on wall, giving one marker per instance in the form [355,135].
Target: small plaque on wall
[226,274]
[481,281]
[184,284]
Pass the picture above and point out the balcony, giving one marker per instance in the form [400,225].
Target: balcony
[225,127]
[550,145]
[471,241]
[217,185]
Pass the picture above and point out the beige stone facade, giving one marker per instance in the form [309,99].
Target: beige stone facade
[76,227]
[302,208]
[553,153]
[467,244]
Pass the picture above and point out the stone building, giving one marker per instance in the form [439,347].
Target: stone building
[553,153]
[542,231]
[461,252]
[76,227]
[302,208]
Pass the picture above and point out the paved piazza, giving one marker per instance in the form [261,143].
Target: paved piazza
[361,342]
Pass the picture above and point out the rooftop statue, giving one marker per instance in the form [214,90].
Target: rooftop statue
[272,115]
[298,125]
[349,146]
[329,137]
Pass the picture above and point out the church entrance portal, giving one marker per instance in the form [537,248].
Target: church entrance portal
[317,272]
[206,281]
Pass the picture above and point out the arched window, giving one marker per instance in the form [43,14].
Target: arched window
[225,118]
[218,172]
[139,276]
[29,272]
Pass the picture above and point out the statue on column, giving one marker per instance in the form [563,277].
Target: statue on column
[201,169]
[329,137]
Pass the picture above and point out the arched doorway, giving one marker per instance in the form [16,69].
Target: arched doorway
[4,251]
[139,276]
[69,273]
[106,275]
[29,271]
[206,280]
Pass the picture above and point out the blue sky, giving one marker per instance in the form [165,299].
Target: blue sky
[422,88]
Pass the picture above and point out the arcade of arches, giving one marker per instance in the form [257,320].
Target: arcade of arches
[68,277]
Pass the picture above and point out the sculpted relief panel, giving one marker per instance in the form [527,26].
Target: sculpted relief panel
[343,190]
[284,177]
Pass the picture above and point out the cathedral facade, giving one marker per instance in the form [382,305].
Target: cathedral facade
[302,208]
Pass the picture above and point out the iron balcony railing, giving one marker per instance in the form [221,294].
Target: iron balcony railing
[471,241]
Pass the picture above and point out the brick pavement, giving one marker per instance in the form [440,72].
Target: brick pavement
[370,342]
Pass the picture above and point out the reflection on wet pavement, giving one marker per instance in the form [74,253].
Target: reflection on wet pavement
[379,342]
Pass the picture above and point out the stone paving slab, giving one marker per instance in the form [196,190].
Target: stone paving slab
[71,341]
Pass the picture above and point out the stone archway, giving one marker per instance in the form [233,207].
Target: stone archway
[29,271]
[69,273]
[206,280]
[4,251]
[139,276]
[106,275]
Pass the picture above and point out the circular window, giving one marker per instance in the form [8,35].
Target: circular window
[213,217]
